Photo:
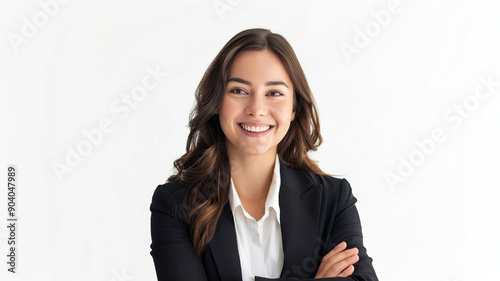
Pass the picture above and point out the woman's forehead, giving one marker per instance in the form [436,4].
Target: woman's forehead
[258,66]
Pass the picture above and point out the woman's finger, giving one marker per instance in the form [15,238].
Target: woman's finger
[338,268]
[339,248]
[347,272]
[333,266]
[334,259]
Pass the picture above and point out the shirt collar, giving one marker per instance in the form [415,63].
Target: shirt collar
[272,200]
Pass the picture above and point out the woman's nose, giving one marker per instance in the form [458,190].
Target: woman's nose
[256,106]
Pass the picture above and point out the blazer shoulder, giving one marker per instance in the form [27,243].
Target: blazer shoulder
[338,186]
[169,198]
[333,187]
[328,180]
[173,189]
[298,177]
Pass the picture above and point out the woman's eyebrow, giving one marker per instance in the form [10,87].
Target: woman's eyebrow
[276,83]
[270,83]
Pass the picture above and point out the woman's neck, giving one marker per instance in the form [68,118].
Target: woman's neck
[252,175]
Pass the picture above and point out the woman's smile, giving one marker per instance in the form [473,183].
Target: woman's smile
[255,130]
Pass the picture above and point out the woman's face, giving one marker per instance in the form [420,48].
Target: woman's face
[257,106]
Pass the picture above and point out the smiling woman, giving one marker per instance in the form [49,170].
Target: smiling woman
[257,106]
[247,202]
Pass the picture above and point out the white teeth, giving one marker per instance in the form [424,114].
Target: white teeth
[255,129]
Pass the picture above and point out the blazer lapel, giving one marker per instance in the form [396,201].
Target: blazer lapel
[299,199]
[224,247]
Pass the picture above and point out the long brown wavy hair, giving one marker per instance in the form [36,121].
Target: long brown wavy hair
[205,168]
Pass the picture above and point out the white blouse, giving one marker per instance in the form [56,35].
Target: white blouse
[259,242]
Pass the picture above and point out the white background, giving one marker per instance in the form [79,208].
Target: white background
[407,78]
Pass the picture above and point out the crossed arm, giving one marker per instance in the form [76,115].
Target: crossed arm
[175,259]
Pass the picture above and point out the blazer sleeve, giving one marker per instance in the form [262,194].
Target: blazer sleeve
[171,247]
[346,226]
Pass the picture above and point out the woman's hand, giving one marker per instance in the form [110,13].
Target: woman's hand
[338,262]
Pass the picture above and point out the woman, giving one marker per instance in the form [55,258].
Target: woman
[247,203]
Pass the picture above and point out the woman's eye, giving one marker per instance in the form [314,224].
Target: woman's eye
[275,93]
[238,91]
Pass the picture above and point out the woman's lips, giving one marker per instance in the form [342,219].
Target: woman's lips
[255,130]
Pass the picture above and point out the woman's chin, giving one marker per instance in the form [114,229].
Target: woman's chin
[256,151]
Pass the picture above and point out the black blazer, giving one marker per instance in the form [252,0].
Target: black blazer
[317,213]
